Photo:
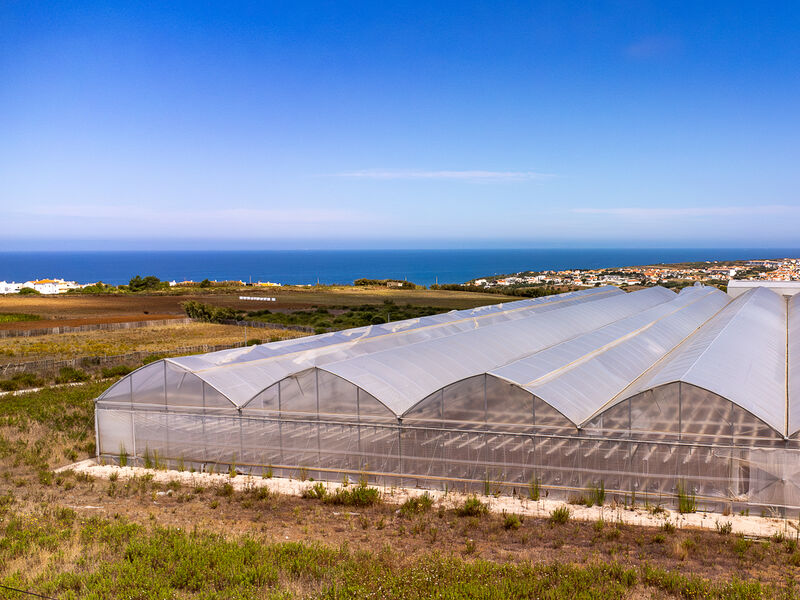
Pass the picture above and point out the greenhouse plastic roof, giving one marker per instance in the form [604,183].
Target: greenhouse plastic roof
[740,355]
[576,376]
[581,352]
[242,373]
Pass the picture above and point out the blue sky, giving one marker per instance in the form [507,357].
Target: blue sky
[376,124]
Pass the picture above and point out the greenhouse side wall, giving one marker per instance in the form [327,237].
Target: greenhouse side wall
[479,435]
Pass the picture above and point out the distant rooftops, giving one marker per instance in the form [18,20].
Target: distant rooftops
[785,288]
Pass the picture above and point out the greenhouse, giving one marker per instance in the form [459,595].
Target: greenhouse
[649,394]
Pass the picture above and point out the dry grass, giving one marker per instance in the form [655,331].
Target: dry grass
[147,339]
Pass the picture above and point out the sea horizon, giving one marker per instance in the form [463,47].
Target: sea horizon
[335,266]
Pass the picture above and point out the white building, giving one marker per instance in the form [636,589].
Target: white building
[9,287]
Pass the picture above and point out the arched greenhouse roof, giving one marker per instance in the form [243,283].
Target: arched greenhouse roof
[581,353]
[579,376]
[740,355]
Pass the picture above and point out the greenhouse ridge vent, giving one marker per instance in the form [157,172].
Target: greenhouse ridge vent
[646,392]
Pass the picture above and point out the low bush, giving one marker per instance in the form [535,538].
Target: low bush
[315,492]
[724,528]
[17,317]
[416,505]
[71,375]
[116,371]
[687,501]
[20,381]
[225,490]
[511,521]
[560,515]
[472,507]
[534,489]
[210,313]
[357,495]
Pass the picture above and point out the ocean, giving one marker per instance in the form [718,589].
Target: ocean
[343,266]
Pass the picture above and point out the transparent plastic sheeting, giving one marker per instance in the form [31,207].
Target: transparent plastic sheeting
[643,392]
[242,373]
[793,363]
[643,447]
[571,376]
[740,355]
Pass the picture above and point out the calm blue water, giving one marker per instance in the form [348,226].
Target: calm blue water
[342,266]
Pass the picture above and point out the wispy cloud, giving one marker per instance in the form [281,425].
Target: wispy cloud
[655,46]
[473,175]
[128,220]
[691,211]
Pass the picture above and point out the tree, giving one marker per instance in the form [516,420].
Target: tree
[28,291]
[205,283]
[141,284]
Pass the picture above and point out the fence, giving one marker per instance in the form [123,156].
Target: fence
[87,362]
[7,333]
[265,325]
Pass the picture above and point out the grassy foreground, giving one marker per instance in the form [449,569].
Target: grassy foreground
[163,541]
[56,553]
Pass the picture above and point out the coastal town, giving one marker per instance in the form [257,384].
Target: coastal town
[709,272]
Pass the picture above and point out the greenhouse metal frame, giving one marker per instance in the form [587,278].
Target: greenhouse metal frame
[646,393]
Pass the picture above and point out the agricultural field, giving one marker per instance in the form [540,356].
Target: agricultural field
[68,535]
[154,339]
[83,309]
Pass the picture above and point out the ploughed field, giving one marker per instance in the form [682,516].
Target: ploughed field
[79,309]
[67,535]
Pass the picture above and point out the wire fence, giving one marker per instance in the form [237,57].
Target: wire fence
[7,333]
[265,325]
[45,366]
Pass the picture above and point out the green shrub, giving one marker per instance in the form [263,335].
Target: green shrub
[26,291]
[116,371]
[560,515]
[146,284]
[225,490]
[534,489]
[17,317]
[20,381]
[209,312]
[597,494]
[416,505]
[71,375]
[687,502]
[358,495]
[472,507]
[511,521]
[724,528]
[315,492]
